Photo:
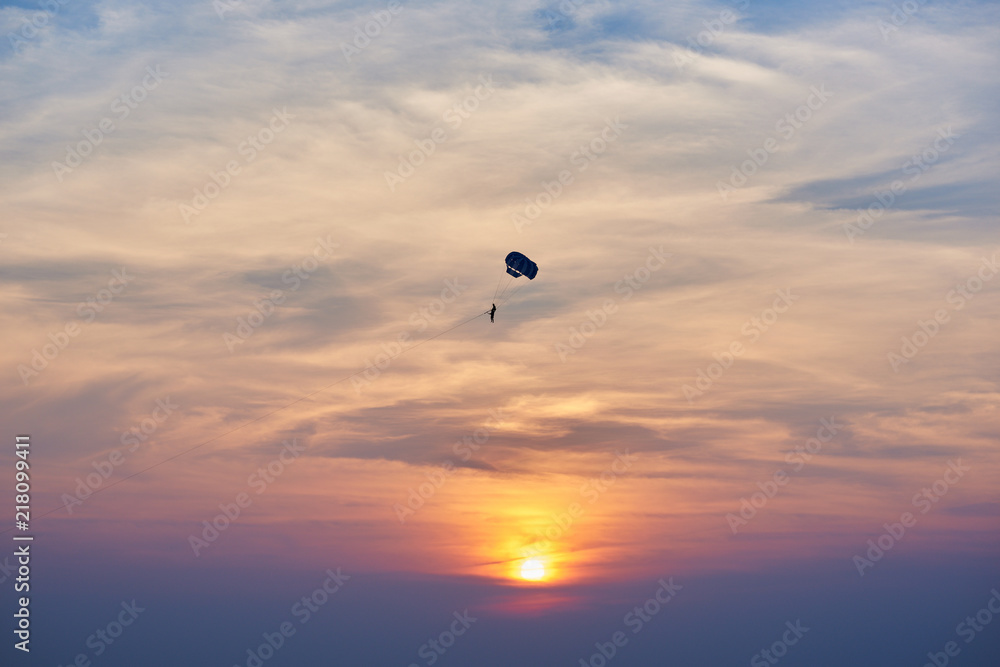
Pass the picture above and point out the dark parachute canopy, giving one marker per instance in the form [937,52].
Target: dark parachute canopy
[517,265]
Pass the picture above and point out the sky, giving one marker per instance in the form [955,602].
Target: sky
[746,412]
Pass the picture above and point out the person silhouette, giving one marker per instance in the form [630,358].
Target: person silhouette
[492,311]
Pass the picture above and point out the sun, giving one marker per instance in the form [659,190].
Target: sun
[533,570]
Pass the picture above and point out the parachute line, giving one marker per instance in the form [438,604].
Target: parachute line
[511,295]
[505,288]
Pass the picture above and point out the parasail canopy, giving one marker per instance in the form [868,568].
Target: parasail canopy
[518,265]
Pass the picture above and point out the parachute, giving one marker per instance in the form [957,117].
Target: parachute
[517,265]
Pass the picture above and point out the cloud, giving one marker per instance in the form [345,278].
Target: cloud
[556,87]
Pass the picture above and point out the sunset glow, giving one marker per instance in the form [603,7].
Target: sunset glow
[552,332]
[533,570]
